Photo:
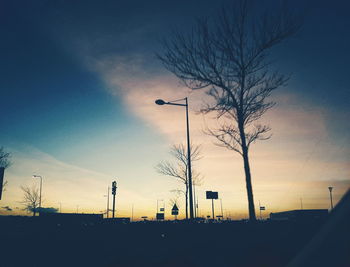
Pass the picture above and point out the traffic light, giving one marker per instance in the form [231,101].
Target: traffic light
[114,187]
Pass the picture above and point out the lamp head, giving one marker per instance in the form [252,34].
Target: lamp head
[160,102]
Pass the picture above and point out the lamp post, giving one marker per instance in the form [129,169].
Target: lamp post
[330,195]
[162,102]
[41,185]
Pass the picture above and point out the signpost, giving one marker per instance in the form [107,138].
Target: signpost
[175,211]
[212,195]
[160,210]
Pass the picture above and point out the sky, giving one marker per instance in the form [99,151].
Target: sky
[78,80]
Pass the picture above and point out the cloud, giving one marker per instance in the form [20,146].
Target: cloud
[300,150]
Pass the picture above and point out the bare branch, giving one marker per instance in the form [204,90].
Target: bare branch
[5,157]
[31,199]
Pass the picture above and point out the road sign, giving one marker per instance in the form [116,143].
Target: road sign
[175,210]
[212,195]
[160,216]
[262,208]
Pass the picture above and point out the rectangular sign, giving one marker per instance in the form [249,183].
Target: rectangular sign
[2,170]
[212,195]
[160,216]
[262,208]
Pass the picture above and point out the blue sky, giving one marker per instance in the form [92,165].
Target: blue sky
[78,80]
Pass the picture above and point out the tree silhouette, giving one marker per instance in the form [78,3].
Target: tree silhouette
[180,168]
[4,158]
[31,199]
[229,56]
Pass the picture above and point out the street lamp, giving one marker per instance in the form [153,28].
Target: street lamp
[162,102]
[41,185]
[330,194]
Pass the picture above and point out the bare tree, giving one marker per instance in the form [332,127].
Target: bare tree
[31,198]
[180,168]
[229,57]
[4,158]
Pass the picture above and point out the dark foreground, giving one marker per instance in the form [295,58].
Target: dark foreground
[29,242]
[153,244]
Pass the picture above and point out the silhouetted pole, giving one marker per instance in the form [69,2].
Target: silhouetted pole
[162,102]
[108,202]
[212,207]
[222,213]
[132,212]
[330,195]
[189,161]
[301,203]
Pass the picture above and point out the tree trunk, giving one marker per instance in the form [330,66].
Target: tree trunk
[186,201]
[248,178]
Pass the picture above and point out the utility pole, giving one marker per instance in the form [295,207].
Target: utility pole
[132,212]
[301,203]
[212,207]
[330,195]
[114,189]
[222,213]
[108,202]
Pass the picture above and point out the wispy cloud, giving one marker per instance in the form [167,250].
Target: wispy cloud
[63,183]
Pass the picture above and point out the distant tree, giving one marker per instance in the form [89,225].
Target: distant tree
[229,56]
[31,199]
[180,168]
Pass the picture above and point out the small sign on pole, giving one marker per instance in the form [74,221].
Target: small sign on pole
[212,195]
[160,216]
[175,211]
